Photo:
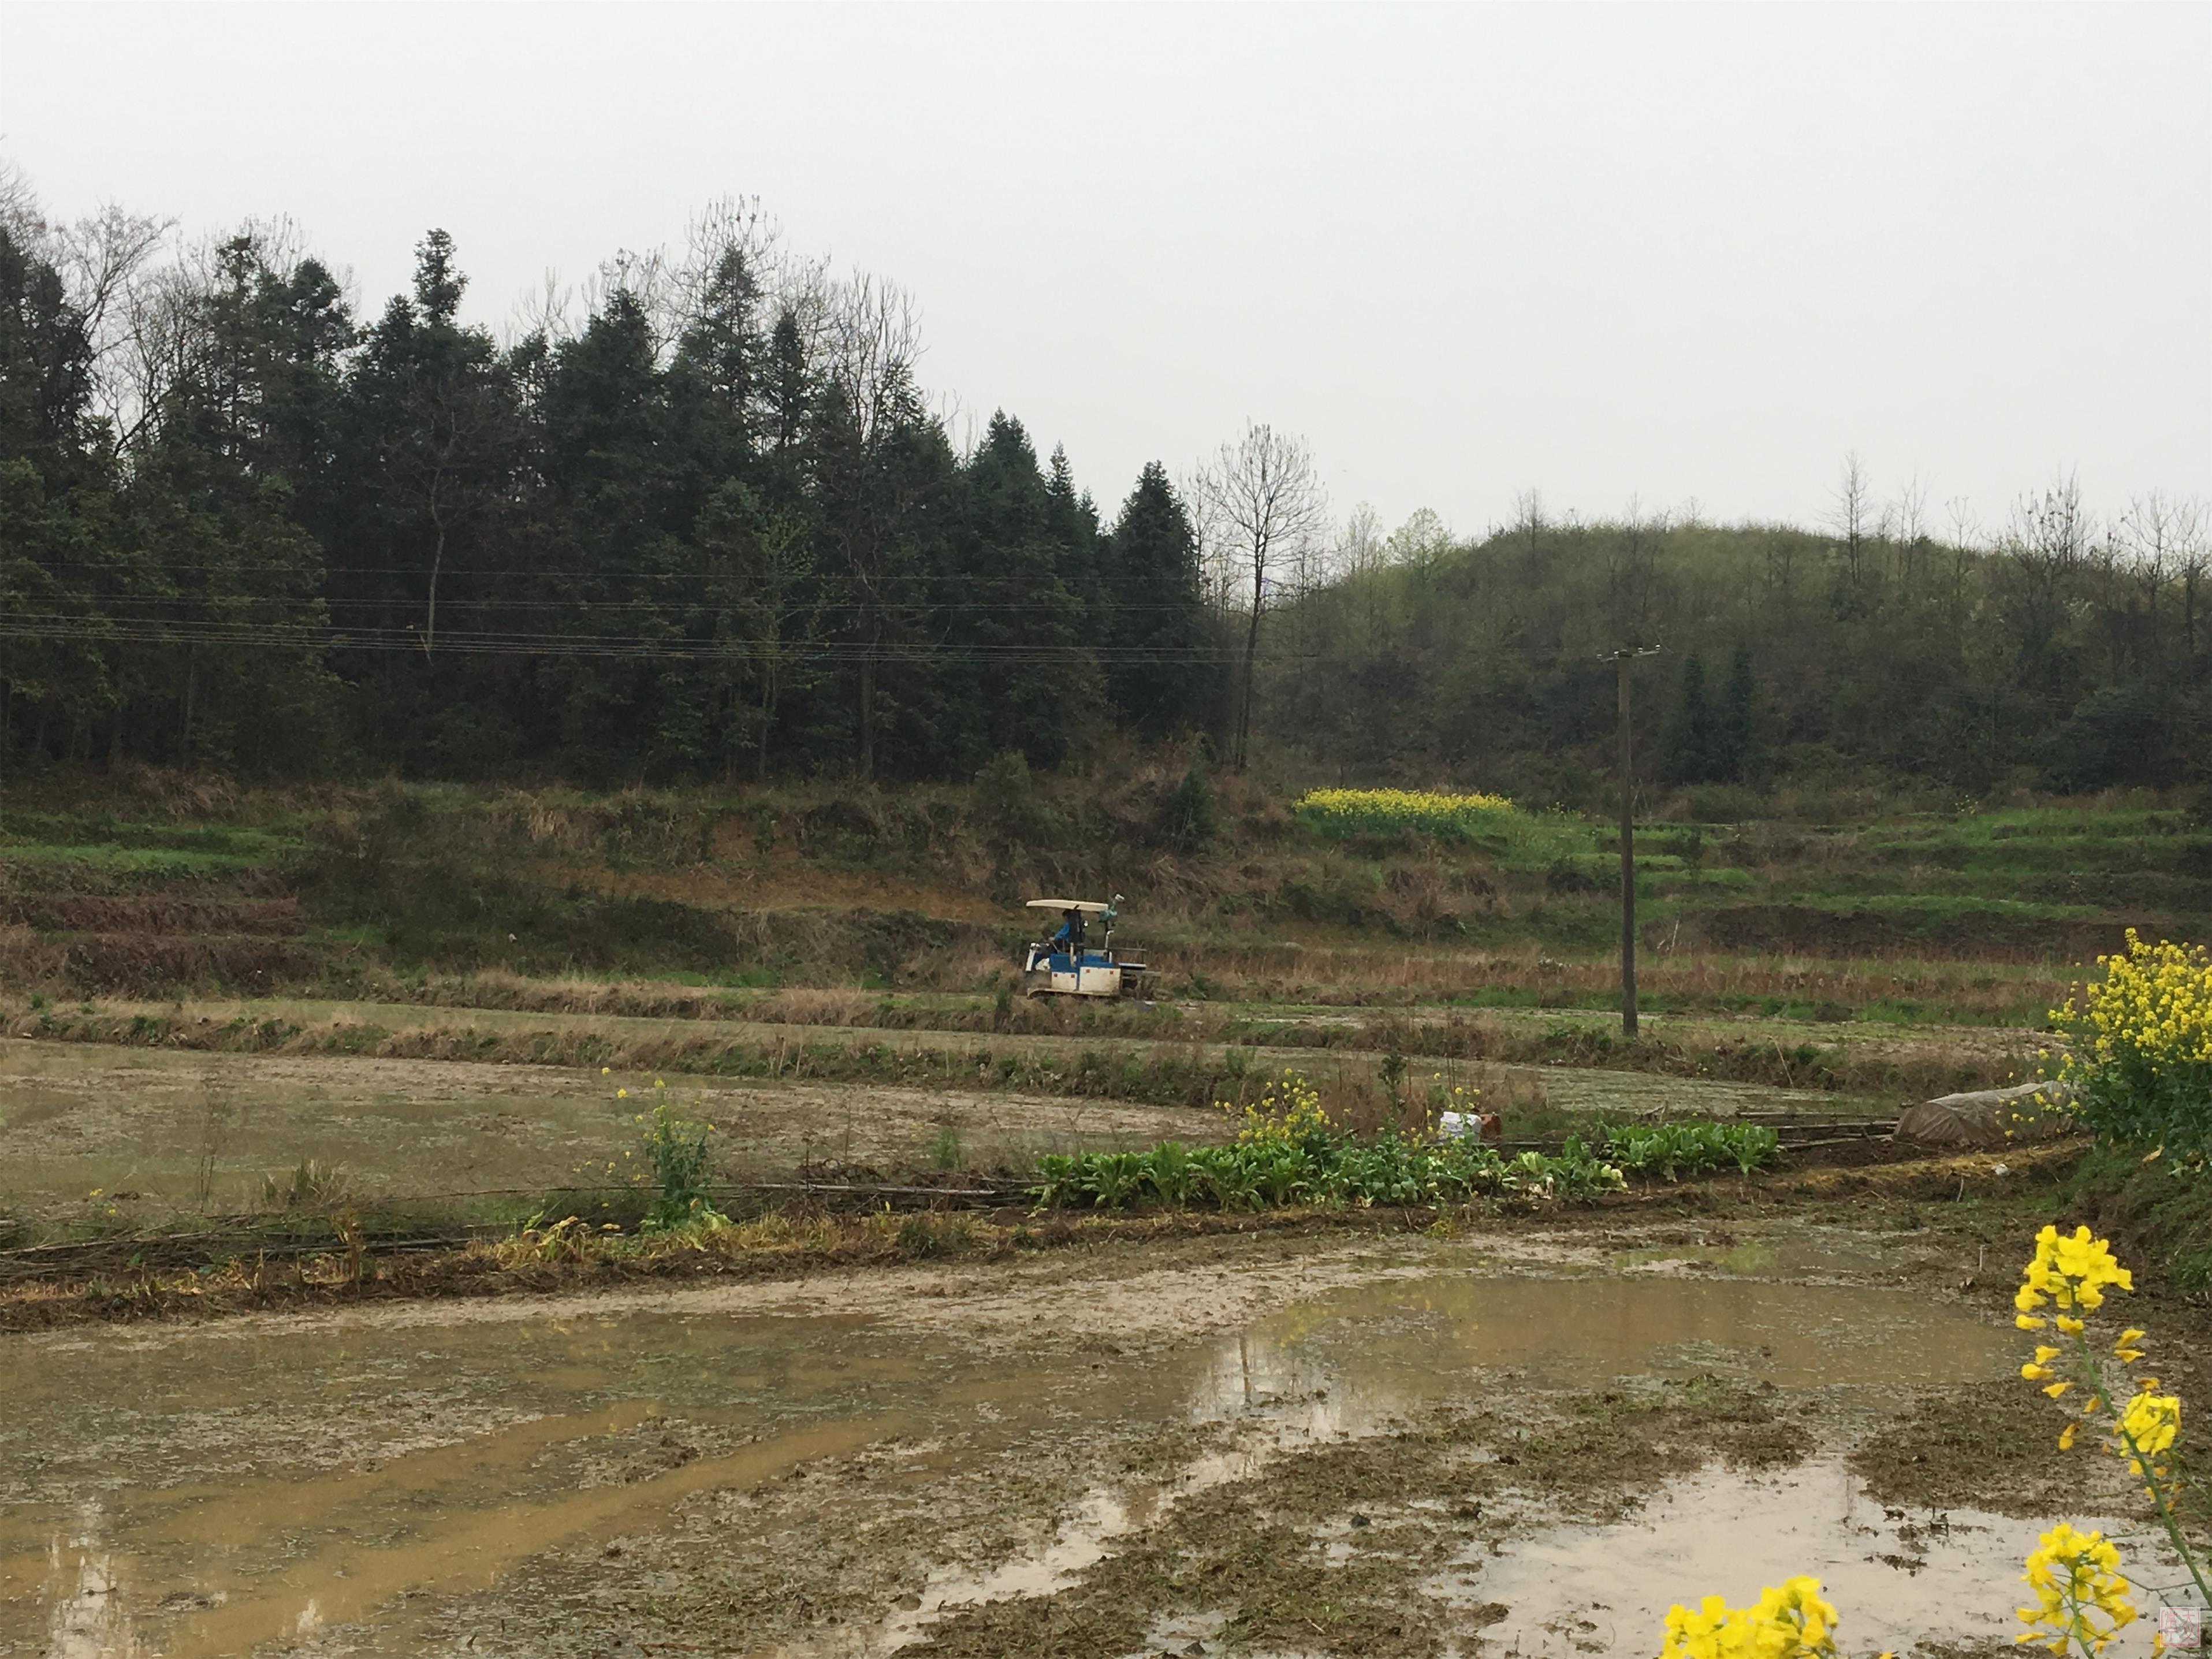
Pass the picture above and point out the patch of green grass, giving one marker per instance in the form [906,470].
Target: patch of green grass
[172,862]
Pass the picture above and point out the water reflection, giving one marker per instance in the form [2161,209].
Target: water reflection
[1340,1362]
[89,1612]
[1895,1576]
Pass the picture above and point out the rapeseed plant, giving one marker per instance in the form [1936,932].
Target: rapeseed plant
[1288,1113]
[676,1147]
[2137,1422]
[1373,812]
[2081,1596]
[2140,1057]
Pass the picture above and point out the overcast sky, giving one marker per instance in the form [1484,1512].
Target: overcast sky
[1654,251]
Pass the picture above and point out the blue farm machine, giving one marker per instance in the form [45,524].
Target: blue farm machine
[1068,963]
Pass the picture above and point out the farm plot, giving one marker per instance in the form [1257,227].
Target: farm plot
[1416,1446]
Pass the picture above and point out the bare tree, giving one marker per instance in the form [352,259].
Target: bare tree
[108,264]
[1906,523]
[1530,526]
[1633,569]
[1265,504]
[2165,540]
[2044,548]
[19,206]
[868,344]
[1853,520]
[863,349]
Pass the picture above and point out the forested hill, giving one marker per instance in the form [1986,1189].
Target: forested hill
[2059,653]
[713,531]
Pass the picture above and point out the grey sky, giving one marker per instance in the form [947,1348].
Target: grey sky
[1599,251]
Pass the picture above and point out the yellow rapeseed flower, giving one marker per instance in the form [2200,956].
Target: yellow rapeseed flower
[2080,1595]
[2069,1271]
[1789,1621]
[2151,1421]
[1382,810]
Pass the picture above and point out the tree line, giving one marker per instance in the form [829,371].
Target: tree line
[709,531]
[2060,651]
[702,523]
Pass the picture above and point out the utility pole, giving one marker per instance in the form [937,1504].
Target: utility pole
[1621,660]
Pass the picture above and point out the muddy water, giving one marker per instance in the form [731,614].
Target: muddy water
[1895,1576]
[282,1482]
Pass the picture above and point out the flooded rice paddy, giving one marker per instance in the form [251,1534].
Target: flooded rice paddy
[855,1465]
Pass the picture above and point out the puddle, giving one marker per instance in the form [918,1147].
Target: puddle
[1407,1342]
[1895,1576]
[197,1491]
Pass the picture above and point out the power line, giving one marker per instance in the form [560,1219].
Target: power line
[464,643]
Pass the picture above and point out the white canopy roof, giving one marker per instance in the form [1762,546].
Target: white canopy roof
[1088,907]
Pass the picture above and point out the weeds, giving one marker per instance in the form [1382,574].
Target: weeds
[945,1149]
[676,1148]
[312,1185]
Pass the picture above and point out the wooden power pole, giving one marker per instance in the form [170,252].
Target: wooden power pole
[1621,660]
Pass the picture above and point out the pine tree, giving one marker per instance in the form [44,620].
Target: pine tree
[1736,729]
[1163,672]
[1017,619]
[1690,745]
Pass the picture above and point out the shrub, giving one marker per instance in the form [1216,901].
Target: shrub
[2141,1038]
[1190,817]
[1007,804]
[1382,811]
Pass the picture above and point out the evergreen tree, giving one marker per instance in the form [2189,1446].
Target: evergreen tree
[1735,728]
[1016,630]
[1690,742]
[431,440]
[65,577]
[1162,655]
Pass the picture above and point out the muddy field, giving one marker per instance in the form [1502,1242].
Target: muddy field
[1524,1439]
[1506,1430]
[99,1131]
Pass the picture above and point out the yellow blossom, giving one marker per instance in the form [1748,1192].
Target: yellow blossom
[2069,1271]
[2151,1421]
[2080,1595]
[1789,1621]
[1380,812]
